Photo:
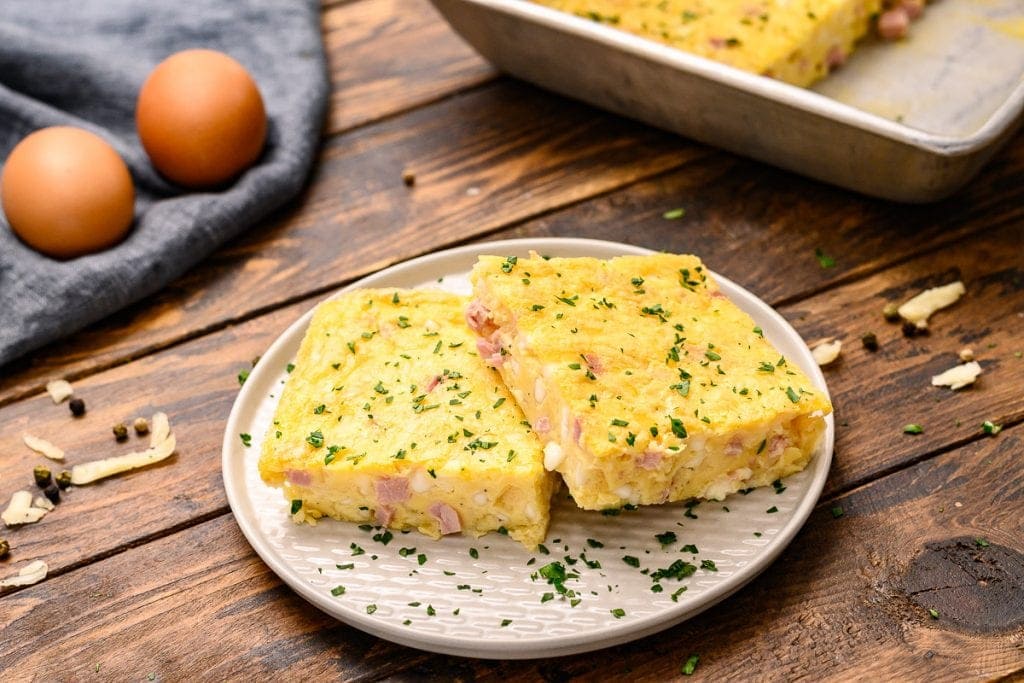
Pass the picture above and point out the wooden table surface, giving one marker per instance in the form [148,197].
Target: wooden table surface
[150,577]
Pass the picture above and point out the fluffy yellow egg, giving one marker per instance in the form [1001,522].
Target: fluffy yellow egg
[200,117]
[66,192]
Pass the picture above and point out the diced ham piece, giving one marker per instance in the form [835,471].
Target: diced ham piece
[594,363]
[717,43]
[478,317]
[649,460]
[542,425]
[577,430]
[434,381]
[835,58]
[447,518]
[299,478]
[734,447]
[383,514]
[392,490]
[894,23]
[913,8]
[777,445]
[490,350]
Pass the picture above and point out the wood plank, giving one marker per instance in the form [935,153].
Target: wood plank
[388,56]
[849,598]
[761,227]
[483,160]
[195,384]
[875,395]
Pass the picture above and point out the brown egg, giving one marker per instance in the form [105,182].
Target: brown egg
[201,118]
[66,192]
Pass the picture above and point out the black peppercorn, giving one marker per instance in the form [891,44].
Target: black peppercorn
[53,493]
[5,548]
[909,329]
[64,479]
[77,407]
[120,431]
[141,426]
[870,341]
[409,178]
[42,475]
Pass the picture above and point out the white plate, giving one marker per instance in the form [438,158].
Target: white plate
[484,594]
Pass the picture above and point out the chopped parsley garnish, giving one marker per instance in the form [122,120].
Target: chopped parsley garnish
[508,264]
[246,439]
[405,552]
[594,543]
[772,509]
[689,548]
[356,550]
[350,565]
[497,404]
[242,376]
[824,260]
[793,396]
[569,301]
[690,666]
[474,553]
[673,214]
[505,622]
[431,611]
[370,609]
[319,410]
[934,613]
[666,538]
[981,543]
[683,388]
[296,506]
[619,423]
[675,596]
[711,355]
[677,427]
[537,307]
[631,561]
[547,597]
[678,570]
[384,537]
[288,368]
[421,559]
[758,331]
[338,590]
[913,429]
[708,565]
[618,612]
[315,439]
[991,428]
[778,486]
[837,511]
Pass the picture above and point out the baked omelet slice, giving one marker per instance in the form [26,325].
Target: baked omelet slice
[390,417]
[796,41]
[645,382]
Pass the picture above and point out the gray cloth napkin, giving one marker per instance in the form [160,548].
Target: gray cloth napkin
[81,63]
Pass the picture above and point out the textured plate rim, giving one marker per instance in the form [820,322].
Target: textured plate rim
[519,648]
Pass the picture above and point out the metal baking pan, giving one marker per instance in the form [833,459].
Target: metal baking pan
[911,121]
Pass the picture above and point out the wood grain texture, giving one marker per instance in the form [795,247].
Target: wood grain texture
[761,227]
[836,605]
[195,384]
[875,394]
[485,159]
[387,56]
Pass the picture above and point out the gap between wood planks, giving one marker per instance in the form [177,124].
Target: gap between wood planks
[853,275]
